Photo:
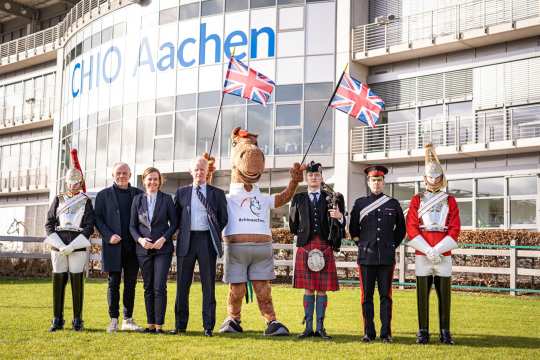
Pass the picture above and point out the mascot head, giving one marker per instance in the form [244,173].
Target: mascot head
[247,159]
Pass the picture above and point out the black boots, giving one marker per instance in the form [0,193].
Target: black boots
[59,291]
[77,292]
[443,288]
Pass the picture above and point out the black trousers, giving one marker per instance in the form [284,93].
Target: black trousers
[130,269]
[202,251]
[155,268]
[382,275]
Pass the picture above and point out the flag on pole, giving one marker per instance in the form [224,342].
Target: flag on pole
[356,99]
[247,83]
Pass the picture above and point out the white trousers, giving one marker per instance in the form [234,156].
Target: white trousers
[424,267]
[74,262]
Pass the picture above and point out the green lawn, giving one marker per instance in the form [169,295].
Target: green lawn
[484,326]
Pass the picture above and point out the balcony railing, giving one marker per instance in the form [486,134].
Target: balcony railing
[28,113]
[24,180]
[485,128]
[453,20]
[49,39]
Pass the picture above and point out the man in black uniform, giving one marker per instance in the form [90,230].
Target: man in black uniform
[378,227]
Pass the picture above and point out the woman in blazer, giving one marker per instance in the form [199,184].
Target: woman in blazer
[153,222]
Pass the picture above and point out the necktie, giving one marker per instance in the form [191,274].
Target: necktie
[314,198]
[203,201]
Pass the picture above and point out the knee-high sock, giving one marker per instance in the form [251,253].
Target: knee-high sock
[322,302]
[234,303]
[77,293]
[59,294]
[443,288]
[423,287]
[309,307]
[263,290]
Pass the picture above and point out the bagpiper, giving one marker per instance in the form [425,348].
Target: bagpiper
[433,228]
[70,223]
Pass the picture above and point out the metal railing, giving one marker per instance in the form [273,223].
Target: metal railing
[29,112]
[50,39]
[486,127]
[24,180]
[453,20]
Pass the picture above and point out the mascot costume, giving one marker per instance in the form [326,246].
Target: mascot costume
[433,226]
[248,255]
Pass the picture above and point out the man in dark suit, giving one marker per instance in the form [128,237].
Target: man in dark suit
[311,220]
[378,227]
[113,206]
[202,215]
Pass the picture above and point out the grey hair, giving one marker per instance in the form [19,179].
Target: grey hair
[198,159]
[120,163]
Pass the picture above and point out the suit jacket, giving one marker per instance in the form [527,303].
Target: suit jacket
[299,217]
[217,201]
[108,223]
[164,222]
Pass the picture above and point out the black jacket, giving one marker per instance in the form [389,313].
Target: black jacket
[163,222]
[87,223]
[108,223]
[299,217]
[216,200]
[379,233]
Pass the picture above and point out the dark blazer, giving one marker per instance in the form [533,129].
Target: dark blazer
[108,223]
[164,222]
[379,233]
[217,201]
[299,217]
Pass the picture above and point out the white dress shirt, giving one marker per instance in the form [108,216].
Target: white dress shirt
[199,216]
[151,199]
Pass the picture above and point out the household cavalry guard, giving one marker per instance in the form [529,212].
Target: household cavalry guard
[69,225]
[377,226]
[317,220]
[433,228]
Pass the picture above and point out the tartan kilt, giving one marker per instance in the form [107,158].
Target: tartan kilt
[324,280]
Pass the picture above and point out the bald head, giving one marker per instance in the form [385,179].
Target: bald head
[121,174]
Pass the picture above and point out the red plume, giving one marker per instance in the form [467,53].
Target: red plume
[75,163]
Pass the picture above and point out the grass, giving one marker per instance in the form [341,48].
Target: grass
[484,326]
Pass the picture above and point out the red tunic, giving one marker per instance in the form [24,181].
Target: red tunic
[433,237]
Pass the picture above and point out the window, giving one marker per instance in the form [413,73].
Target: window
[490,187]
[259,121]
[461,188]
[465,213]
[231,117]
[168,16]
[522,186]
[322,144]
[522,193]
[523,212]
[189,11]
[288,115]
[186,122]
[163,149]
[164,124]
[211,7]
[318,91]
[235,5]
[262,3]
[287,141]
[165,104]
[490,213]
[188,101]
[208,99]
[288,92]
[206,122]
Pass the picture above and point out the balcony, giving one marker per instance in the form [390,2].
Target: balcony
[27,181]
[490,133]
[41,46]
[474,24]
[32,115]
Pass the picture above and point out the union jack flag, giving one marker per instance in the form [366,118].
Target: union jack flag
[247,83]
[356,99]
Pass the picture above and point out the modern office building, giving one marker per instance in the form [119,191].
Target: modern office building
[141,83]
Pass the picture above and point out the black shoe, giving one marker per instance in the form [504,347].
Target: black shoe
[159,331]
[208,332]
[231,326]
[306,334]
[446,337]
[387,339]
[366,338]
[57,324]
[422,337]
[149,331]
[322,334]
[77,324]
[177,331]
[275,328]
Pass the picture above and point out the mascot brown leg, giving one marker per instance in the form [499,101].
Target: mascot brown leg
[263,291]
[234,309]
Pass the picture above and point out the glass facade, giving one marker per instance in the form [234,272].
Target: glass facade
[144,83]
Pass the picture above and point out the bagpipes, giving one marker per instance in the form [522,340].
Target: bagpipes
[337,231]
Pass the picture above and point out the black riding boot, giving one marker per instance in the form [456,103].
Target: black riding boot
[423,287]
[59,292]
[77,292]
[443,288]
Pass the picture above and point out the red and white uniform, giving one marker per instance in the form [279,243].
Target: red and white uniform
[433,235]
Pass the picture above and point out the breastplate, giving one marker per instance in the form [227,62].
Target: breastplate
[71,217]
[435,218]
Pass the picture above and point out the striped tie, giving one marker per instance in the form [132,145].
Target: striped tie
[203,201]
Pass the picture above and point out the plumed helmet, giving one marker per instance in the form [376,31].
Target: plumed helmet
[434,177]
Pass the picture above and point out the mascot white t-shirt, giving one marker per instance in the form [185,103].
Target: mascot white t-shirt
[249,212]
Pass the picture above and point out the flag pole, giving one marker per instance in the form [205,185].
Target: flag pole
[220,105]
[324,113]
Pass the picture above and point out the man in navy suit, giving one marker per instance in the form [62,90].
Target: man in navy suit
[113,206]
[202,215]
